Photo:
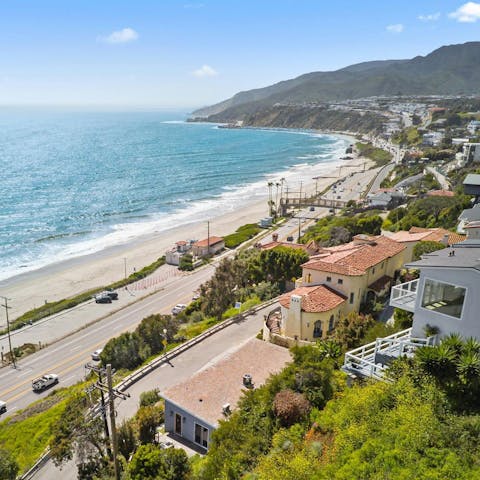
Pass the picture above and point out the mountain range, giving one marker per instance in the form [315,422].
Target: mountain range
[449,70]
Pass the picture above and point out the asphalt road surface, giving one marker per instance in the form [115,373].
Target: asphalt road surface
[67,357]
[179,369]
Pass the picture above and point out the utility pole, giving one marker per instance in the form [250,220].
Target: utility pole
[99,371]
[12,356]
[111,400]
[112,394]
[299,225]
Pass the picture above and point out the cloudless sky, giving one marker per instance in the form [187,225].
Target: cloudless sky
[170,53]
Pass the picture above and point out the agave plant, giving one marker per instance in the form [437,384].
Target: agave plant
[468,368]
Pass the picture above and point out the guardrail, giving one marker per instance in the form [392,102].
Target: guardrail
[146,369]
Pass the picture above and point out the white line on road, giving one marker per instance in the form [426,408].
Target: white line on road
[71,377]
[27,372]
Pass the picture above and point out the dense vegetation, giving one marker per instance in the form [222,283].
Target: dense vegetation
[379,156]
[427,212]
[424,424]
[242,234]
[335,230]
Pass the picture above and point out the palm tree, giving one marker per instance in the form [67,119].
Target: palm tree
[276,198]
[270,201]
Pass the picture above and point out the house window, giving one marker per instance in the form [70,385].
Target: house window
[331,324]
[443,298]
[340,281]
[352,295]
[329,279]
[317,329]
[373,270]
[201,435]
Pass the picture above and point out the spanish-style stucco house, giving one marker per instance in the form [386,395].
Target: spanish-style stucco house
[334,283]
[310,313]
[359,270]
[444,299]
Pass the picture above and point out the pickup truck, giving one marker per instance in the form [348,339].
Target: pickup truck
[45,381]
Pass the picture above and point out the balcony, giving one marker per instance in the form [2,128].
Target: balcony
[404,295]
[373,359]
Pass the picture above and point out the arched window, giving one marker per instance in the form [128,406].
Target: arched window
[331,324]
[317,329]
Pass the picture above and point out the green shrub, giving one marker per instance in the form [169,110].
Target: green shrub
[150,397]
[242,234]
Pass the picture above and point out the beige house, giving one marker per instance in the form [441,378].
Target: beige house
[359,270]
[334,283]
[310,313]
[208,246]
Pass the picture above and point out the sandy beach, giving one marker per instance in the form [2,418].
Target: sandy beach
[67,278]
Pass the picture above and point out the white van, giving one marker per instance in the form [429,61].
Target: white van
[3,407]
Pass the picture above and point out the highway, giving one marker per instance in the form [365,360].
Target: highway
[178,370]
[67,357]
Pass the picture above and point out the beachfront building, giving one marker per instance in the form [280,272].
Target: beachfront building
[208,246]
[172,256]
[418,234]
[334,283]
[194,407]
[445,299]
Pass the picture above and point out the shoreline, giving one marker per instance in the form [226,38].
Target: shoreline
[69,277]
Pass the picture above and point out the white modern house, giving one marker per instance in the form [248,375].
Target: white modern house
[445,299]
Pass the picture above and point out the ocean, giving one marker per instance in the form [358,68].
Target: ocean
[76,182]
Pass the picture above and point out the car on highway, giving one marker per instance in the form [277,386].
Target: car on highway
[103,298]
[3,407]
[312,209]
[290,239]
[45,381]
[178,308]
[96,354]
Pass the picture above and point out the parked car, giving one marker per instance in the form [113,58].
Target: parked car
[3,407]
[312,209]
[290,239]
[112,294]
[102,298]
[179,307]
[196,296]
[96,354]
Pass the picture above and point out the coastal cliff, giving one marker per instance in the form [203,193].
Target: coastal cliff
[314,118]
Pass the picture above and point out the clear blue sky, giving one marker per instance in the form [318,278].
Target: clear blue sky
[168,53]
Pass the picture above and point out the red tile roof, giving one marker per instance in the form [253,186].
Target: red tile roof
[438,234]
[315,299]
[356,257]
[204,243]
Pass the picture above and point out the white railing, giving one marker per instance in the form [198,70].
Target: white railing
[404,295]
[372,360]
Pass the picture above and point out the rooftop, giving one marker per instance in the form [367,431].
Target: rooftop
[440,193]
[472,179]
[419,234]
[315,299]
[462,257]
[208,241]
[221,382]
[356,257]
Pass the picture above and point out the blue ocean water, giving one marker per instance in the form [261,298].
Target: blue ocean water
[75,182]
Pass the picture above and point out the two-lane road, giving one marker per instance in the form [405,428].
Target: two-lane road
[67,357]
